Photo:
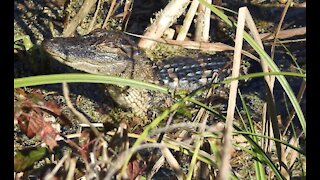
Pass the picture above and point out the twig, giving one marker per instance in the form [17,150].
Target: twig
[203,23]
[205,46]
[293,112]
[270,105]
[188,20]
[227,140]
[105,23]
[72,167]
[159,140]
[126,13]
[118,163]
[172,162]
[155,168]
[291,41]
[283,34]
[167,17]
[284,12]
[291,154]
[93,21]
[202,116]
[80,116]
[198,143]
[83,12]
[56,168]
[265,68]
[280,148]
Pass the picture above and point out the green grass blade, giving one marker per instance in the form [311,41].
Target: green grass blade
[88,78]
[282,80]
[284,83]
[261,155]
[260,172]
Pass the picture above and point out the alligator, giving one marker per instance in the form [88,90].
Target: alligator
[113,53]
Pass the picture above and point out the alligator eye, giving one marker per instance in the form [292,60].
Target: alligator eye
[128,50]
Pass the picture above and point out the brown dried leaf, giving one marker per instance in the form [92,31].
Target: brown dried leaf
[49,135]
[133,169]
[29,113]
[33,124]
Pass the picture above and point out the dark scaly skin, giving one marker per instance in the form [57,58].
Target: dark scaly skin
[113,53]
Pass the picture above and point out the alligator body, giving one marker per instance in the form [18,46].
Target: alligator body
[113,53]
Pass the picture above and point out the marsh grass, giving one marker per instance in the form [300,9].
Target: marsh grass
[265,163]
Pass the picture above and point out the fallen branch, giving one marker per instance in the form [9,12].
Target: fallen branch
[284,33]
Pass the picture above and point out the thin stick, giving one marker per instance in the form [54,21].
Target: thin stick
[280,148]
[284,12]
[188,20]
[265,68]
[293,112]
[166,18]
[80,116]
[203,23]
[284,33]
[172,162]
[126,13]
[105,23]
[83,12]
[205,46]
[93,21]
[56,168]
[227,144]
[72,167]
